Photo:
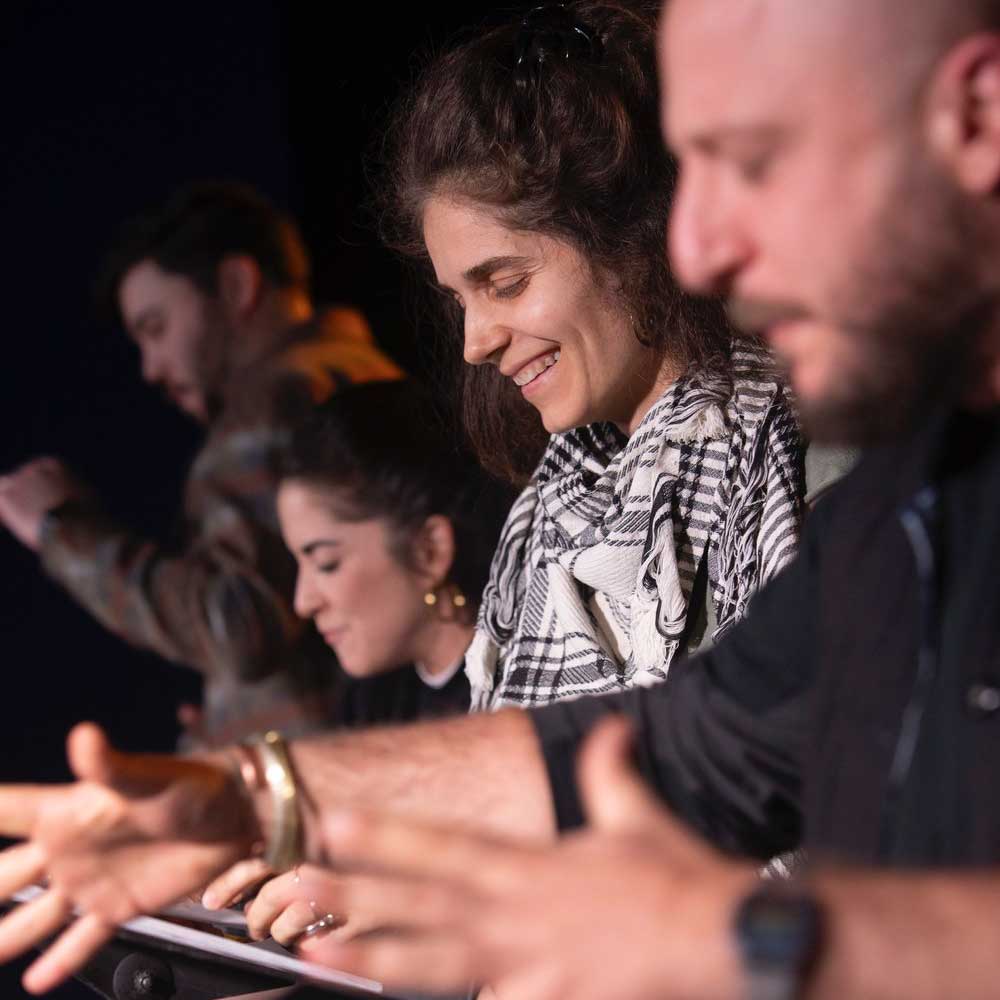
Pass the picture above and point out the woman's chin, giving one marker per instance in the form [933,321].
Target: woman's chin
[361,671]
[559,419]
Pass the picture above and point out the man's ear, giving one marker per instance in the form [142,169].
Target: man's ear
[434,550]
[240,285]
[963,110]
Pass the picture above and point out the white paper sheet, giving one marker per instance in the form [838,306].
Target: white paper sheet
[260,956]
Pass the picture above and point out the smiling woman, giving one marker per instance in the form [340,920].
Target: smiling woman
[525,173]
[535,315]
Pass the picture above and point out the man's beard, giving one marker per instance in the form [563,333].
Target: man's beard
[909,318]
[893,385]
[213,360]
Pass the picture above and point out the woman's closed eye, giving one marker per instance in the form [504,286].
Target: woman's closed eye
[328,567]
[512,289]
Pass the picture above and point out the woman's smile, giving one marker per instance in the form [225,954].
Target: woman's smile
[530,373]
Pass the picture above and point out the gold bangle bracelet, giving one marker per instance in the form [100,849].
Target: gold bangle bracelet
[283,848]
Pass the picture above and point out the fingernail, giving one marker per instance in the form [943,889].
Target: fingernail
[34,982]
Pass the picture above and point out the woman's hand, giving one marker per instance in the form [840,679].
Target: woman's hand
[132,835]
[287,905]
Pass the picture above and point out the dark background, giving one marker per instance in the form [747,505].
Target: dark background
[103,108]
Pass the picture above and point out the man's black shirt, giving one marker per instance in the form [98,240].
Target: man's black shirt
[856,710]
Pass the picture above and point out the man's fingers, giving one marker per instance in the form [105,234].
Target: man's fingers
[231,885]
[69,953]
[20,805]
[438,964]
[92,758]
[401,847]
[89,753]
[20,866]
[32,922]
[615,798]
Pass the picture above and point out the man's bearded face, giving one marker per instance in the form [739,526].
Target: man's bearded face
[903,316]
[811,204]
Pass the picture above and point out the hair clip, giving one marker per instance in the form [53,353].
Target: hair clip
[552,32]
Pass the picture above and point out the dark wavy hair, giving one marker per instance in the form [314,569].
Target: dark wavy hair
[385,450]
[566,144]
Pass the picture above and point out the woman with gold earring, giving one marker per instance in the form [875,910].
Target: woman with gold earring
[393,528]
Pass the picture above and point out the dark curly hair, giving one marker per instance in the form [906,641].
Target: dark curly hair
[385,450]
[569,146]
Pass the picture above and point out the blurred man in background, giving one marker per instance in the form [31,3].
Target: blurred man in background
[213,287]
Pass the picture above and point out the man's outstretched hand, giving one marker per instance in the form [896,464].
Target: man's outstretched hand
[132,835]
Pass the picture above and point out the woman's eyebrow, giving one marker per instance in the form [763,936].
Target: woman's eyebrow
[311,547]
[484,270]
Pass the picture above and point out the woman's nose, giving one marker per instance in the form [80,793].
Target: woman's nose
[306,600]
[485,338]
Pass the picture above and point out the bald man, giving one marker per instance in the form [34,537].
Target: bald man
[841,163]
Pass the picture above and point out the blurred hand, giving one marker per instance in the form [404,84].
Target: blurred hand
[633,908]
[29,493]
[134,834]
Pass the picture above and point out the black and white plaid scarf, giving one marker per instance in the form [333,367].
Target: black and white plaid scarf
[590,584]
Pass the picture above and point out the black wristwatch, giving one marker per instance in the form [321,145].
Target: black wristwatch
[779,930]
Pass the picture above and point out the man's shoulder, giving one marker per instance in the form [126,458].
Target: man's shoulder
[329,352]
[884,479]
[337,340]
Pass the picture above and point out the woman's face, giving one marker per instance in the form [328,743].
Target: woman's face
[534,309]
[365,603]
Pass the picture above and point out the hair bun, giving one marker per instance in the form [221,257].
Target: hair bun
[552,32]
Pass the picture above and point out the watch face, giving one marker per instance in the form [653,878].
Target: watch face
[778,927]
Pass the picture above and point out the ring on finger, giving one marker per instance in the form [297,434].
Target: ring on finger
[327,922]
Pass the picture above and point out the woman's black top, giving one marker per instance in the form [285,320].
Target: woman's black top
[398,696]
